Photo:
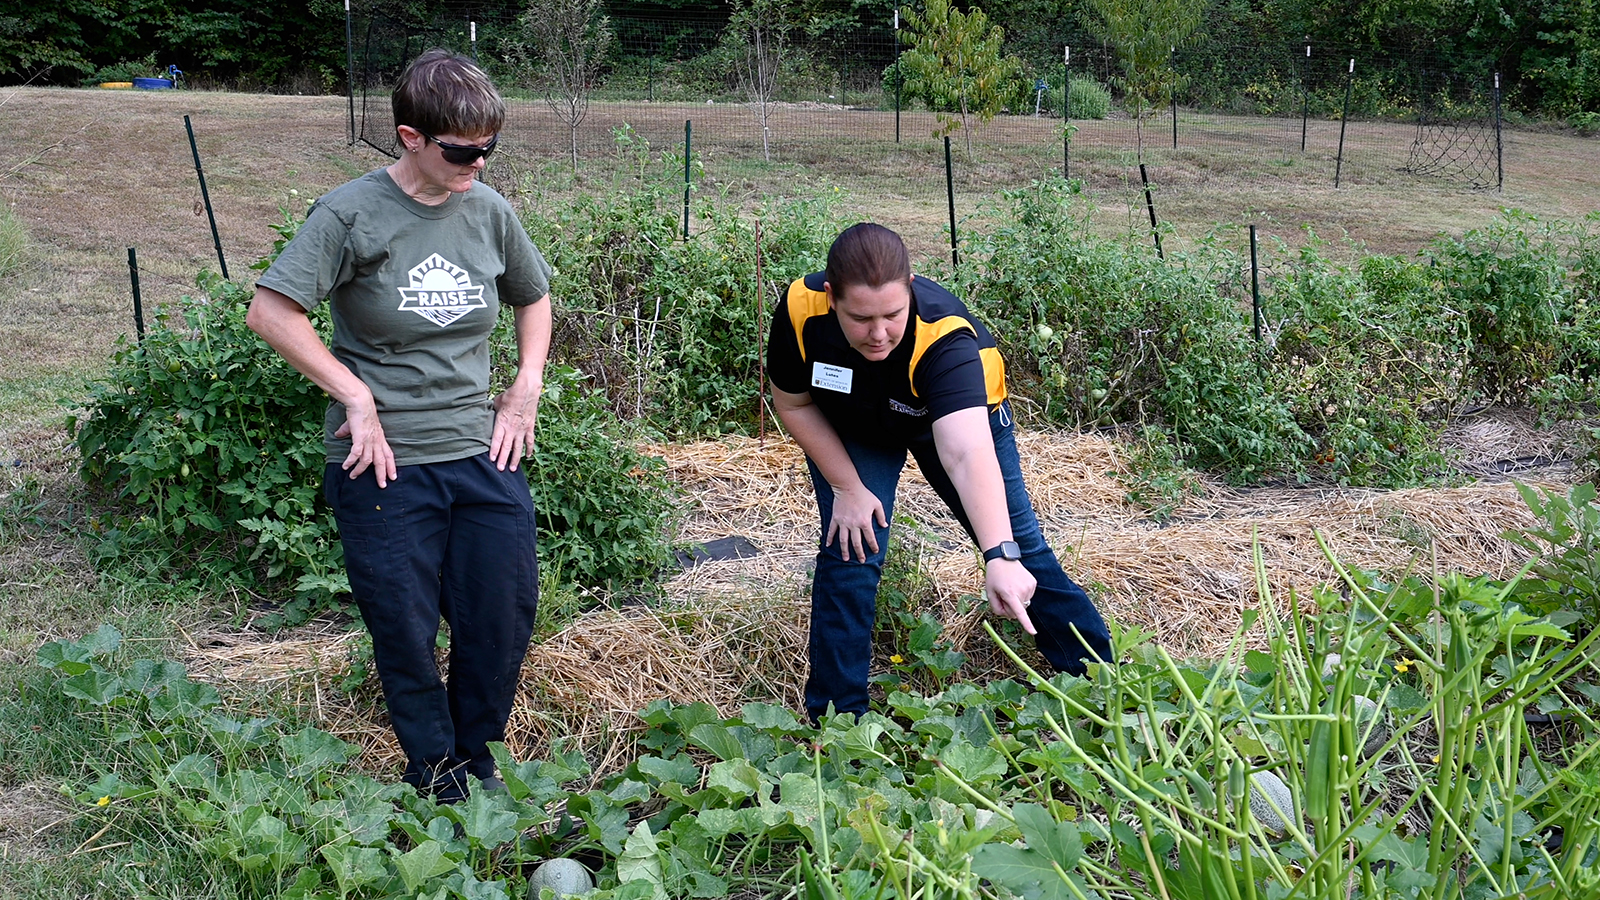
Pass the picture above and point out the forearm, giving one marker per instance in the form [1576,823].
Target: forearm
[286,328]
[817,437]
[533,325]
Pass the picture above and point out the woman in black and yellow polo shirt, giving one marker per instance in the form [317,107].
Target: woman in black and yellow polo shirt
[867,363]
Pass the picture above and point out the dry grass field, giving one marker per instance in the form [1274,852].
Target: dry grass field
[92,173]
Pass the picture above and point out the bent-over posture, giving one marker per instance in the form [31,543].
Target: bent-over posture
[867,363]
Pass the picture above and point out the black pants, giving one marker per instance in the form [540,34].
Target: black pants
[452,539]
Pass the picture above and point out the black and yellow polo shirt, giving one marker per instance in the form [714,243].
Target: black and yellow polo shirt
[947,361]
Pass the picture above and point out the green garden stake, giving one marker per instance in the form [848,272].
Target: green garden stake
[1150,204]
[1255,284]
[350,69]
[138,307]
[950,195]
[206,196]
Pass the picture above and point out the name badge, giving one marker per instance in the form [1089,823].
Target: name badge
[831,378]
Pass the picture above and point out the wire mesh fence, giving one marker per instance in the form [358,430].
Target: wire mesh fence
[835,113]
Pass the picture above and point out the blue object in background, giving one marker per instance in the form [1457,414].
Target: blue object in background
[152,84]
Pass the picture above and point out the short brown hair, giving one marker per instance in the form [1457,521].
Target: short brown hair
[445,93]
[867,255]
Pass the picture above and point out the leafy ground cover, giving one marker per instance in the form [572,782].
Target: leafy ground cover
[1403,721]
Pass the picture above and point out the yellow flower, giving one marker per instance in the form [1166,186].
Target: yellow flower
[103,801]
[1436,759]
[897,659]
[1404,666]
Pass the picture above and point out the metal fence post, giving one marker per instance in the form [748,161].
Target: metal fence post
[1066,111]
[1173,59]
[1305,96]
[898,78]
[1499,147]
[1344,119]
[950,196]
[350,68]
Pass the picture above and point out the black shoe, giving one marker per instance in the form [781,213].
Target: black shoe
[491,785]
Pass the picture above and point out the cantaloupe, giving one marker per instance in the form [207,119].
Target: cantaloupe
[567,877]
[1367,711]
[1262,786]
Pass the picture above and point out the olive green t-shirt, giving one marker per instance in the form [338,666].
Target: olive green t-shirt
[416,290]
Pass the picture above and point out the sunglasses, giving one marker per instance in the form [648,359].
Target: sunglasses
[463,154]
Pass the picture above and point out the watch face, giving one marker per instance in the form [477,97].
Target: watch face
[1004,550]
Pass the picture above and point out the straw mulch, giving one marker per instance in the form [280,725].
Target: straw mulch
[734,631]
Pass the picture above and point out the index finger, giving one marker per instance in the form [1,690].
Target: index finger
[1021,611]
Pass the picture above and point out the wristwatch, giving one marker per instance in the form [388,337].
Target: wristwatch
[1003,550]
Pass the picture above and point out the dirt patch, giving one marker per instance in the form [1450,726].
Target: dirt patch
[1495,443]
[28,813]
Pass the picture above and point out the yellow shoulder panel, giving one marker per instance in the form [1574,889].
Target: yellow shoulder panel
[927,334]
[804,303]
[994,374]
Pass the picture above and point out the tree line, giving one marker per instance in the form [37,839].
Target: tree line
[1547,50]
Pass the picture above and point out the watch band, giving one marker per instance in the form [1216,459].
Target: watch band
[1003,550]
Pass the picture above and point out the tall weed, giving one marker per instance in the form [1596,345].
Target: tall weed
[13,241]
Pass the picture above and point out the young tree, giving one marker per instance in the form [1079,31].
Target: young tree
[758,34]
[564,43]
[955,65]
[1145,32]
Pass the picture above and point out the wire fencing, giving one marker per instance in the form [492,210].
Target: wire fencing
[840,112]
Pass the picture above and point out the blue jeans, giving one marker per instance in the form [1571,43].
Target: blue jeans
[452,539]
[844,594]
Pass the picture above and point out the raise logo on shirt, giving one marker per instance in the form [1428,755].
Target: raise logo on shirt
[441,291]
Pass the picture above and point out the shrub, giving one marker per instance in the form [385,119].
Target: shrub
[1099,332]
[1090,99]
[213,445]
[126,70]
[1527,289]
[668,328]
[605,510]
[1370,361]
